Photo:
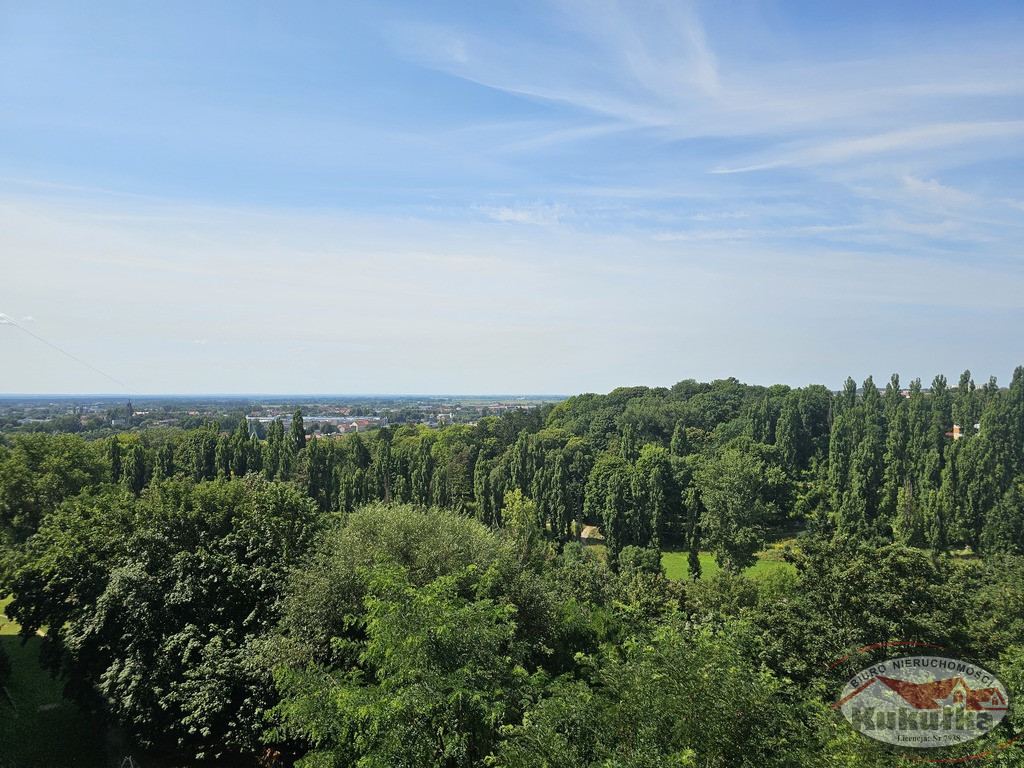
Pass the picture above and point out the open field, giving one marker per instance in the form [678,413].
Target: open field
[41,728]
[677,568]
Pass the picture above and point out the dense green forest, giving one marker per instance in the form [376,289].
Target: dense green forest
[420,597]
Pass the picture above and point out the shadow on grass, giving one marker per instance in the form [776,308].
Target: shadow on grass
[42,729]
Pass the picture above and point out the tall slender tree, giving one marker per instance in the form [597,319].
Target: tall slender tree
[482,490]
[298,432]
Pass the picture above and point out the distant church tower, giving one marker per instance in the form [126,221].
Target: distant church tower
[128,413]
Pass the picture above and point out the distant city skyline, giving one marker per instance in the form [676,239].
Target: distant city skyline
[526,197]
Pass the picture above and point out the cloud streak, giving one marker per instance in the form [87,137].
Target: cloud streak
[656,68]
[920,139]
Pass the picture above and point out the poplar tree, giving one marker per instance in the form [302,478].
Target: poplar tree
[241,450]
[319,477]
[136,469]
[114,454]
[222,457]
[628,449]
[482,490]
[441,487]
[941,406]
[1003,531]
[298,432]
[694,510]
[908,523]
[895,473]
[616,516]
[558,501]
[380,470]
[680,445]
[422,473]
[274,450]
[164,467]
[965,411]
[862,496]
[519,463]
[790,434]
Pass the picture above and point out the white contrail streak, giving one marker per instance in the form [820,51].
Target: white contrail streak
[6,319]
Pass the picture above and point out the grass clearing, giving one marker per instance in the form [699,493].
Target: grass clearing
[7,625]
[42,728]
[677,567]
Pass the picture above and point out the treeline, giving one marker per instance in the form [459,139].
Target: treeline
[417,597]
[896,471]
[717,466]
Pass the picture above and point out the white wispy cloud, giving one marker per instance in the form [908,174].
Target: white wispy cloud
[945,197]
[920,139]
[680,135]
[538,214]
[761,234]
[654,66]
[639,65]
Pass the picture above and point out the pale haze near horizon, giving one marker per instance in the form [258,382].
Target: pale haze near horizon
[538,197]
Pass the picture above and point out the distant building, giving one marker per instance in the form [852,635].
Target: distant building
[958,431]
[344,424]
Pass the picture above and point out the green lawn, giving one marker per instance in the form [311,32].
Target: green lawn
[7,626]
[42,728]
[677,567]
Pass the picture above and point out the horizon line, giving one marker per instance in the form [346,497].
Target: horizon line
[110,396]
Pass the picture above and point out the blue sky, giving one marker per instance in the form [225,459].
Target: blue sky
[508,197]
